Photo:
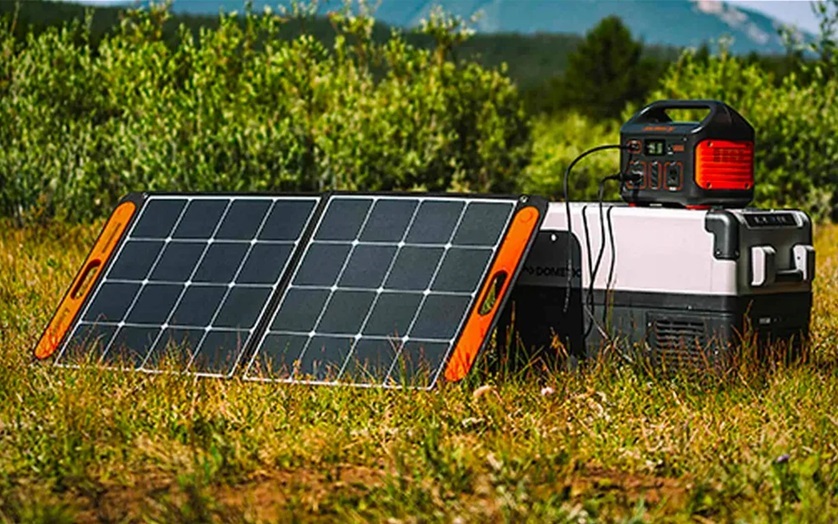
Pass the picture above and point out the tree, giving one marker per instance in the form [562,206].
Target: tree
[605,72]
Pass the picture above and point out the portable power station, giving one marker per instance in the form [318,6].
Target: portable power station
[710,162]
[681,269]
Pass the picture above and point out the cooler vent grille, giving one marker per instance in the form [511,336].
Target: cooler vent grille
[679,339]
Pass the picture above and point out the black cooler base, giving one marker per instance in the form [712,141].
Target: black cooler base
[662,327]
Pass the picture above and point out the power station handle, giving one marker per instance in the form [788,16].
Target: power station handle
[655,113]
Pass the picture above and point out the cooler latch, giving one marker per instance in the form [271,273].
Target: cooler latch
[764,270]
[804,261]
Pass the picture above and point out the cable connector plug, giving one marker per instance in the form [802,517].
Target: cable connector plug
[633,178]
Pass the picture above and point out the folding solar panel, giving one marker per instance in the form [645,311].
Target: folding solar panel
[388,289]
[369,289]
[186,277]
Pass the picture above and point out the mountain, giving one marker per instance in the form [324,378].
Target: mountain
[679,23]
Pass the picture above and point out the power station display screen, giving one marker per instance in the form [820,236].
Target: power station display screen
[655,147]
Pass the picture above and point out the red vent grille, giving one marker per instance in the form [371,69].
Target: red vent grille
[724,165]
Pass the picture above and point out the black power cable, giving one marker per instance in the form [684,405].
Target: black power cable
[623,176]
[593,267]
[570,218]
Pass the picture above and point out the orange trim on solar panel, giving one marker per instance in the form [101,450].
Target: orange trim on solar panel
[70,306]
[480,320]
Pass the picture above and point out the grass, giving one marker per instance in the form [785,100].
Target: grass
[610,444]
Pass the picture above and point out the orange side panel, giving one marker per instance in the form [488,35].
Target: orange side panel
[724,165]
[83,283]
[478,324]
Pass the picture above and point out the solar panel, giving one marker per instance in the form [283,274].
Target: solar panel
[189,282]
[387,286]
[384,289]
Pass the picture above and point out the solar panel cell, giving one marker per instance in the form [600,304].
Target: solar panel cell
[154,304]
[221,262]
[174,347]
[279,355]
[177,261]
[367,266]
[300,310]
[323,358]
[388,220]
[158,218]
[435,221]
[418,363]
[137,258]
[88,342]
[343,219]
[345,312]
[456,274]
[243,219]
[198,305]
[112,302]
[262,265]
[130,346]
[440,316]
[242,307]
[482,224]
[392,314]
[321,264]
[219,351]
[287,219]
[370,360]
[414,268]
[200,220]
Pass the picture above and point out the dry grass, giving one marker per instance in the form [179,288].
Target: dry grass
[611,444]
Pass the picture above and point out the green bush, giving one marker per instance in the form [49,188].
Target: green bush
[796,121]
[239,109]
[556,142]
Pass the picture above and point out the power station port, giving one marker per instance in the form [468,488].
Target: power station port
[654,175]
[638,171]
[673,176]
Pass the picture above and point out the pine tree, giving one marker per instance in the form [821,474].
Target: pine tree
[604,72]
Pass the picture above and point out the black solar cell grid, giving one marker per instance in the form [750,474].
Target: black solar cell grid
[190,281]
[382,290]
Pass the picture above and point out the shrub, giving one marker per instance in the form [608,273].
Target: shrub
[240,109]
[556,142]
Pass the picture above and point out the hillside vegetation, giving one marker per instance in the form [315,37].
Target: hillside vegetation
[531,59]
[255,103]
[221,113]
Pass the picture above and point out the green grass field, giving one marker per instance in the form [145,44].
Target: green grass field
[759,444]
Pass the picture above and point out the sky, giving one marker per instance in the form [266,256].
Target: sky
[797,12]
